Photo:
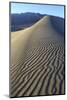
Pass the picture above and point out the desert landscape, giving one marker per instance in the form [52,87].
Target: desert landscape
[37,59]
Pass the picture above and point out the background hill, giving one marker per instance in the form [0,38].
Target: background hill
[23,20]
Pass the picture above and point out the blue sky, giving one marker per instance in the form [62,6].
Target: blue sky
[55,10]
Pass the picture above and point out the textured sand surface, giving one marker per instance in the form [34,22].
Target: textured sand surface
[37,60]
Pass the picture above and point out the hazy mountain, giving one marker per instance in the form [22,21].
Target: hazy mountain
[20,21]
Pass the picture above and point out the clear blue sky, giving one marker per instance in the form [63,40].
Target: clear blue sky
[55,10]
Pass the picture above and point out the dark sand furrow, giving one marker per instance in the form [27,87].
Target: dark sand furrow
[35,63]
[51,73]
[21,62]
[48,86]
[44,84]
[38,53]
[22,80]
[33,53]
[56,63]
[60,75]
[41,63]
[63,71]
[55,59]
[37,60]
[57,68]
[18,89]
[27,62]
[54,75]
[43,59]
[39,84]
[61,87]
[17,65]
[46,57]
[55,82]
[29,88]
[25,67]
[34,92]
[34,83]
[42,56]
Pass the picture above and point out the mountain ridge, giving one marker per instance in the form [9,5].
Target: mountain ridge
[24,20]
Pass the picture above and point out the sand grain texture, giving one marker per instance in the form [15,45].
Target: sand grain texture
[37,60]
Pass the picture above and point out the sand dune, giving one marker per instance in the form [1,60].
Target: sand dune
[37,59]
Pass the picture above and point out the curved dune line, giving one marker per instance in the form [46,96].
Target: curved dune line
[34,91]
[40,62]
[27,87]
[25,83]
[37,88]
[60,74]
[52,76]
[27,58]
[52,69]
[32,57]
[34,71]
[27,62]
[37,60]
[55,82]
[38,65]
[55,78]
[61,79]
[35,56]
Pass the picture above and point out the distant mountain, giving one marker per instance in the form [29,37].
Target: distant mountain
[58,24]
[23,20]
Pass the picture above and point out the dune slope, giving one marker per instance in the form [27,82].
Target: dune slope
[37,59]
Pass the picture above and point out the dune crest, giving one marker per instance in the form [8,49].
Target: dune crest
[37,59]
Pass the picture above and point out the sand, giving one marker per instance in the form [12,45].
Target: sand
[37,60]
